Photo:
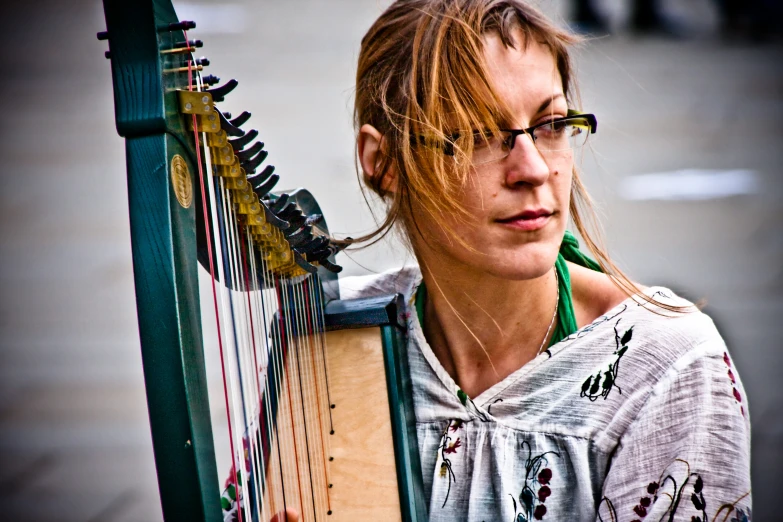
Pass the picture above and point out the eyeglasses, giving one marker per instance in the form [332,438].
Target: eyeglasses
[561,134]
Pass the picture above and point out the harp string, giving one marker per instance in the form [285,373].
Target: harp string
[271,392]
[211,266]
[260,369]
[312,334]
[230,281]
[275,380]
[319,395]
[311,394]
[284,319]
[245,357]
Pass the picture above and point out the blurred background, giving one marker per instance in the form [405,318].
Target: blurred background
[685,171]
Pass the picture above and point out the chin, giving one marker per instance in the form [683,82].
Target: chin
[524,262]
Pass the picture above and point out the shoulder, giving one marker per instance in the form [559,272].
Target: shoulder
[593,293]
[666,330]
[402,280]
[649,343]
[663,365]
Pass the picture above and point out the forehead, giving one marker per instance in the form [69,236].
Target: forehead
[524,76]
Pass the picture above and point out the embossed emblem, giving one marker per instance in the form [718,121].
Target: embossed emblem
[180,180]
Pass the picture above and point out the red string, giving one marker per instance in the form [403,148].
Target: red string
[214,290]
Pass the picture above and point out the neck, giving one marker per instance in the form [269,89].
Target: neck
[483,328]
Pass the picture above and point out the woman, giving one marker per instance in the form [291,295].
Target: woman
[546,386]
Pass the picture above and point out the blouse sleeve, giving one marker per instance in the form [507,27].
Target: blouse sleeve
[686,456]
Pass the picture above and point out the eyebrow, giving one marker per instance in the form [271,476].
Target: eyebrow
[548,102]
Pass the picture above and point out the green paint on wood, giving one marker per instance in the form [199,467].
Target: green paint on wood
[403,421]
[163,237]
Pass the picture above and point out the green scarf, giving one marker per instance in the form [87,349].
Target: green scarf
[566,321]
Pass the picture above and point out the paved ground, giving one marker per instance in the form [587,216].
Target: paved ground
[74,440]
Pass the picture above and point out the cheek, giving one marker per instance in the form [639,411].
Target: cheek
[561,180]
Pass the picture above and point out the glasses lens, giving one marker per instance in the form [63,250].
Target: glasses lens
[487,147]
[562,135]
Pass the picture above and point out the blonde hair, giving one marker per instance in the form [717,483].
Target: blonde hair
[421,75]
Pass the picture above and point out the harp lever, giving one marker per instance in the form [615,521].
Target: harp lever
[296,223]
[314,245]
[240,143]
[272,218]
[241,119]
[258,179]
[299,237]
[219,93]
[226,125]
[336,269]
[251,164]
[263,189]
[303,264]
[288,213]
[279,203]
[245,155]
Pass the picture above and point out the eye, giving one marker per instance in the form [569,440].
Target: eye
[553,128]
[481,138]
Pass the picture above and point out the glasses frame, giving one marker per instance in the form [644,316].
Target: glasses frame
[592,122]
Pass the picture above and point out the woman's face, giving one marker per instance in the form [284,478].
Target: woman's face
[518,206]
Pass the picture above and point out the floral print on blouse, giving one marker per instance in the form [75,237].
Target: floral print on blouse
[639,416]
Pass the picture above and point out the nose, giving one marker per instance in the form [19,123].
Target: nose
[525,164]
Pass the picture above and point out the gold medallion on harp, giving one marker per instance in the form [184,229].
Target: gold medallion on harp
[180,180]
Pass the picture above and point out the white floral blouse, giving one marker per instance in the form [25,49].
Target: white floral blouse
[639,416]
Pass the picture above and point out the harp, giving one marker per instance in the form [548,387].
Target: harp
[316,389]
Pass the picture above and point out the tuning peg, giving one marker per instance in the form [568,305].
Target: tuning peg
[251,164]
[219,93]
[189,44]
[107,54]
[263,189]
[226,125]
[279,203]
[202,61]
[240,143]
[209,79]
[103,35]
[246,154]
[241,119]
[184,25]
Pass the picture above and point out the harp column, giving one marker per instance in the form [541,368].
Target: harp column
[161,183]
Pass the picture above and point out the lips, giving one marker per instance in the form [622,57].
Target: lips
[528,220]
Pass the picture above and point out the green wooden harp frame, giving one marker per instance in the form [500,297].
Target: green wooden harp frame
[151,61]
